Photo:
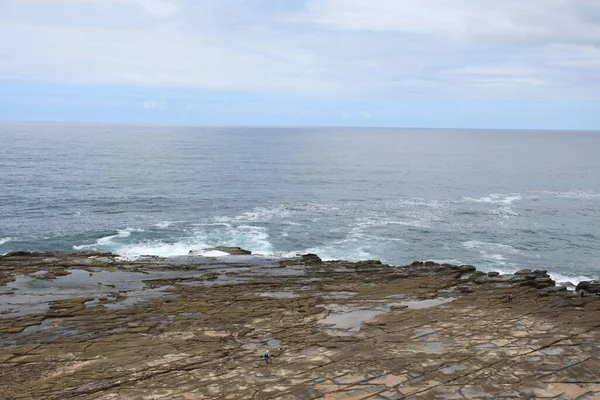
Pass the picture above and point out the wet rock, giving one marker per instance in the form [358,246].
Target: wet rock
[541,283]
[588,286]
[234,251]
[368,264]
[311,259]
[467,268]
[493,273]
[557,289]
[397,334]
[523,272]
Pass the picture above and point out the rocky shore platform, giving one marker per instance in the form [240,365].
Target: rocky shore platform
[95,326]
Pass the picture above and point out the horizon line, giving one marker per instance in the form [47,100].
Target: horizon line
[273,126]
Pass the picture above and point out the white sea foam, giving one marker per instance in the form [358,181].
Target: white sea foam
[496,198]
[476,244]
[108,240]
[492,257]
[564,278]
[253,238]
[212,253]
[5,240]
[166,224]
[259,214]
[575,194]
[504,212]
[158,248]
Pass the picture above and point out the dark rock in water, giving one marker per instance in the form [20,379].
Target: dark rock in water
[430,263]
[523,272]
[589,286]
[467,268]
[493,273]
[234,251]
[311,259]
[417,264]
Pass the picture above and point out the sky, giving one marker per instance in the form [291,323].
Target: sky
[510,64]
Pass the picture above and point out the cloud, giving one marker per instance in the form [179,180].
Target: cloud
[539,49]
[556,21]
[153,105]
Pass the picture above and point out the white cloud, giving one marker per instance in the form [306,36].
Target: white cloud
[330,48]
[154,105]
[506,20]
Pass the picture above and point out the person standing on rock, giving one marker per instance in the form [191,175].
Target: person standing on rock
[510,297]
[267,357]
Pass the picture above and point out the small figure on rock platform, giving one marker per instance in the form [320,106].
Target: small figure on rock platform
[510,297]
[266,357]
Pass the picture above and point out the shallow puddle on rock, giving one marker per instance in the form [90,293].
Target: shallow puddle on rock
[426,333]
[485,346]
[420,304]
[291,270]
[451,369]
[221,280]
[436,347]
[33,295]
[339,295]
[48,323]
[347,319]
[138,297]
[278,295]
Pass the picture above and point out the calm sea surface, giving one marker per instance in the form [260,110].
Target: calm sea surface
[500,200]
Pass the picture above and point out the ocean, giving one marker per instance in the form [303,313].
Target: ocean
[499,200]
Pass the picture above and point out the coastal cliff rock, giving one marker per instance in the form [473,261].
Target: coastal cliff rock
[92,326]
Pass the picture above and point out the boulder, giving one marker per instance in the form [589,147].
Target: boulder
[311,259]
[493,273]
[541,283]
[466,268]
[523,272]
[588,286]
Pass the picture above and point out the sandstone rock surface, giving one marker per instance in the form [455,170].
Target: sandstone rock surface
[92,326]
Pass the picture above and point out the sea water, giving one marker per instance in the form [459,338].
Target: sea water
[500,200]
